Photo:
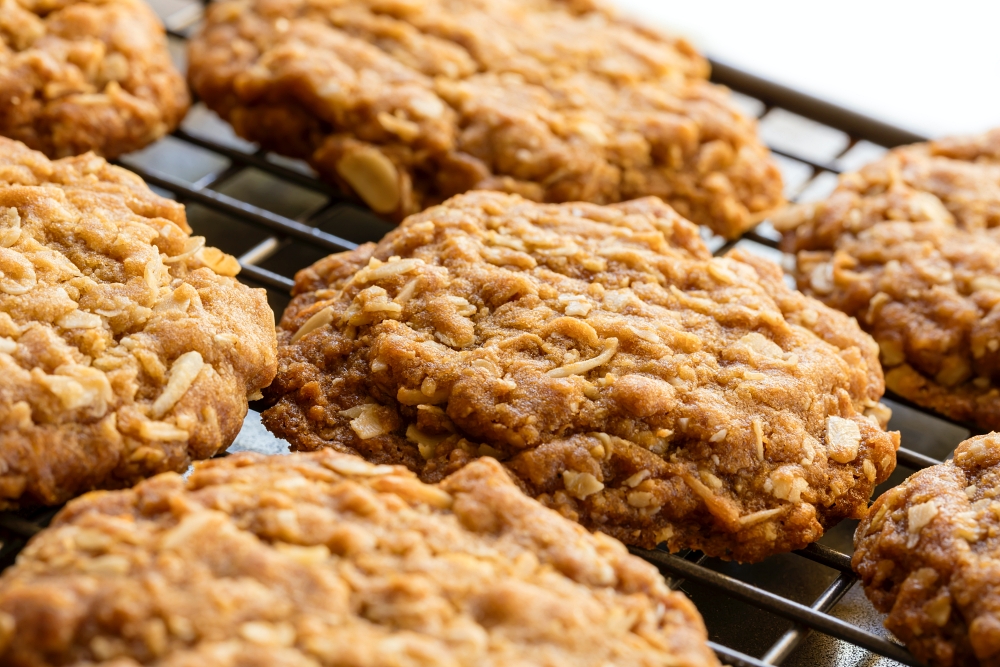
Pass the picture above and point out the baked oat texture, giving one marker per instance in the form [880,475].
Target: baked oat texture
[910,246]
[323,559]
[408,102]
[126,347]
[620,373]
[80,75]
[929,554]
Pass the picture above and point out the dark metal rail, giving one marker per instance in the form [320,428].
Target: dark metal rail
[853,123]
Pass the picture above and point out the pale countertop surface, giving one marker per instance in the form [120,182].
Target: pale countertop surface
[929,67]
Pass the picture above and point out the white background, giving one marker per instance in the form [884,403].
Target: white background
[930,67]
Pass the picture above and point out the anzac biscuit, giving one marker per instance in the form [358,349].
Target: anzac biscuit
[323,559]
[79,75]
[126,347]
[929,554]
[408,103]
[910,246]
[618,371]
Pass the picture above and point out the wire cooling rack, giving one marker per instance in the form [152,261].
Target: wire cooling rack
[800,609]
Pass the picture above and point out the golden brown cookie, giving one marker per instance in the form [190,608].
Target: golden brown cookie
[620,373]
[323,559]
[80,75]
[126,347]
[408,103]
[910,246]
[928,554]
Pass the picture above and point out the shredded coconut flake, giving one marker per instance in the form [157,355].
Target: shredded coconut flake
[758,434]
[842,439]
[405,294]
[581,367]
[77,386]
[788,484]
[193,245]
[376,270]
[637,479]
[182,375]
[641,499]
[426,442]
[157,430]
[921,515]
[365,421]
[356,466]
[319,319]
[80,319]
[757,517]
[581,484]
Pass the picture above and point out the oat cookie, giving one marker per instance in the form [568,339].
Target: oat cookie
[929,554]
[323,559]
[619,372]
[79,75]
[126,347]
[407,103]
[910,246]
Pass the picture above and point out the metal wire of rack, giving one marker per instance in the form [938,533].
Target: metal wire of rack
[276,217]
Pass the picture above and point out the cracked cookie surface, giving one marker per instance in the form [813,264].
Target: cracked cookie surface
[928,554]
[622,374]
[79,75]
[323,559]
[910,246]
[126,347]
[408,103]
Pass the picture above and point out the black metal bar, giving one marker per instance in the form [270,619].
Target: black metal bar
[217,178]
[9,550]
[777,605]
[177,34]
[269,278]
[824,555]
[726,247]
[18,525]
[26,526]
[260,162]
[757,238]
[247,212]
[734,658]
[775,94]
[973,429]
[789,641]
[915,460]
[818,166]
[248,268]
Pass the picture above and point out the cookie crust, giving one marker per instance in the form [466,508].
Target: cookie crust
[323,559]
[86,75]
[407,104]
[623,375]
[910,246]
[928,554]
[126,346]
